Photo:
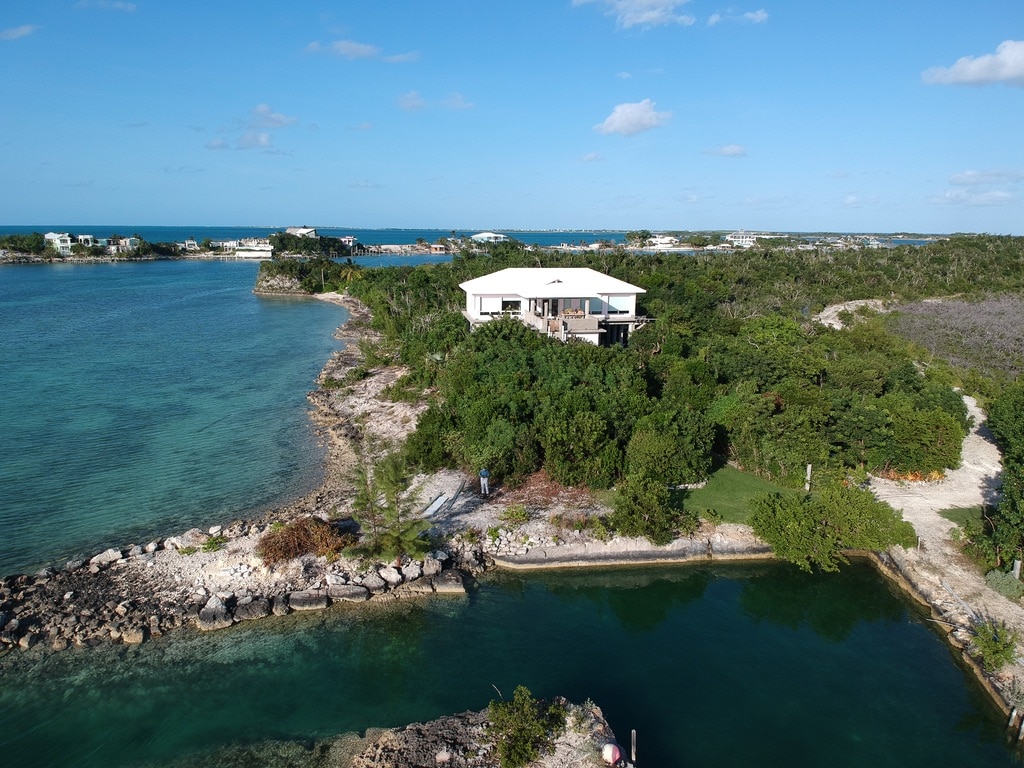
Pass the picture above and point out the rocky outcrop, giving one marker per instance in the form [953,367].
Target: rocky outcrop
[277,285]
[463,741]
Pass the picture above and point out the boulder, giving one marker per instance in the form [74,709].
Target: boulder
[106,558]
[411,572]
[279,606]
[255,608]
[450,582]
[431,566]
[190,538]
[214,615]
[348,592]
[307,600]
[335,580]
[374,582]
[28,640]
[133,635]
[391,575]
[152,546]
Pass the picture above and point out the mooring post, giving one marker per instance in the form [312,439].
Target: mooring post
[1016,569]
[632,751]
[1020,733]
[807,485]
[1012,722]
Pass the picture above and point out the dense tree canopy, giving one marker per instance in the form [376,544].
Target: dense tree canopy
[729,364]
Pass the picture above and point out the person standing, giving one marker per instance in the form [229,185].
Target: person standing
[485,486]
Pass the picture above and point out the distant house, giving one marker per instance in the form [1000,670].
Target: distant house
[488,237]
[59,241]
[117,245]
[254,248]
[742,239]
[561,302]
[309,232]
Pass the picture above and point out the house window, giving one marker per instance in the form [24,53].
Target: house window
[490,305]
[511,305]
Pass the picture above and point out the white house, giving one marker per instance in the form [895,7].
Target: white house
[488,237]
[59,241]
[563,302]
[309,232]
[742,239]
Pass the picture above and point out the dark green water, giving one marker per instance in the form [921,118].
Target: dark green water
[714,666]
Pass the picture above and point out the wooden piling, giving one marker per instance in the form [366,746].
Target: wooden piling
[632,751]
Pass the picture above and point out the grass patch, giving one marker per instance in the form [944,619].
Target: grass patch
[962,516]
[729,492]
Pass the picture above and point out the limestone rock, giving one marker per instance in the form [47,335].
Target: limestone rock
[349,592]
[450,582]
[106,558]
[391,575]
[431,566]
[214,615]
[307,600]
[133,635]
[256,608]
[411,572]
[374,583]
[280,606]
[190,538]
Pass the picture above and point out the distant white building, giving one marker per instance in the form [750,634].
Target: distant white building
[742,239]
[309,232]
[561,302]
[488,237]
[59,241]
[254,248]
[117,245]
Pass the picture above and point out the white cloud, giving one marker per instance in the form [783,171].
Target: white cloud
[1006,65]
[859,201]
[728,150]
[592,157]
[970,178]
[263,116]
[643,13]
[624,75]
[216,144]
[13,33]
[108,5]
[255,140]
[750,17]
[457,101]
[350,49]
[632,118]
[411,101]
[972,198]
[402,58]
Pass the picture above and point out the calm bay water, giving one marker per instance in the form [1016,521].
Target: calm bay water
[739,666]
[144,398]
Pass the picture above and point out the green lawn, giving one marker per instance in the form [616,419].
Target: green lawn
[729,492]
[961,515]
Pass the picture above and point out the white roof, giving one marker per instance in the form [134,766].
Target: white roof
[488,237]
[548,283]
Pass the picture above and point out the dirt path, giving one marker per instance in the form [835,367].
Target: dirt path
[937,569]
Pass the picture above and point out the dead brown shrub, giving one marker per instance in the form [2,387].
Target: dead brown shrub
[307,535]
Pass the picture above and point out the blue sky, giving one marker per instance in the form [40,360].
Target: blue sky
[870,116]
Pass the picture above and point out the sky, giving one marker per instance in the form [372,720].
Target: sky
[769,115]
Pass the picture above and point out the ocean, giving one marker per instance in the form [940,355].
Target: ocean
[364,236]
[144,398]
[141,399]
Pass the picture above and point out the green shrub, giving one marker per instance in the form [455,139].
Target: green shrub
[524,727]
[516,514]
[1005,584]
[994,644]
[187,550]
[214,544]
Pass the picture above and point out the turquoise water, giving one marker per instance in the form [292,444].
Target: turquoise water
[739,666]
[143,398]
